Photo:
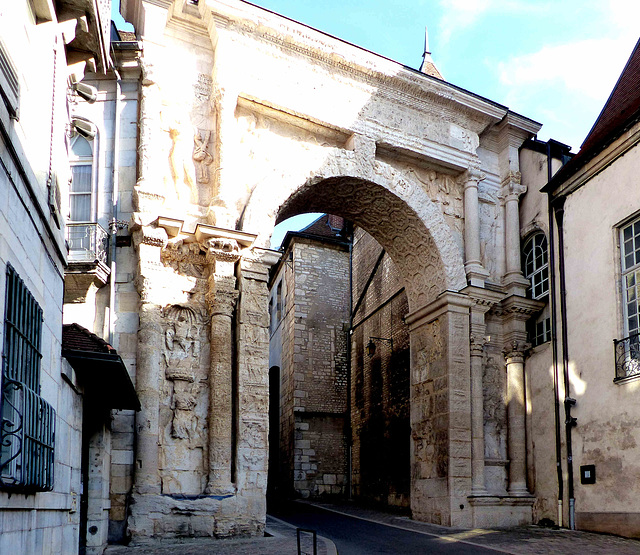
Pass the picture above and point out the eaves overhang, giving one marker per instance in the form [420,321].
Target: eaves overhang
[586,165]
[105,378]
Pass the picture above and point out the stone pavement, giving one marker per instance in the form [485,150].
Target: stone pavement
[280,541]
[528,540]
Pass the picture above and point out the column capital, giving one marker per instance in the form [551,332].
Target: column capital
[473,175]
[477,343]
[515,351]
[220,249]
[222,301]
[512,187]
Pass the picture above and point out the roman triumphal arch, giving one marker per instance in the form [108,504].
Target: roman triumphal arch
[246,117]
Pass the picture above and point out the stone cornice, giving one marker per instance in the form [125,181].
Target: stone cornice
[390,78]
[483,299]
[442,155]
[517,307]
[448,301]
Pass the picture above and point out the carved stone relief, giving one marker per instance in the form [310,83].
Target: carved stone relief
[490,227]
[185,258]
[386,217]
[495,423]
[430,353]
[182,359]
[441,188]
[189,126]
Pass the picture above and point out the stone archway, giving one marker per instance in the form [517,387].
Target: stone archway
[438,323]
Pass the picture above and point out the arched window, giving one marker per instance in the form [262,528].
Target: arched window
[81,193]
[536,264]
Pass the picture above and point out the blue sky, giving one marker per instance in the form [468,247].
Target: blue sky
[553,61]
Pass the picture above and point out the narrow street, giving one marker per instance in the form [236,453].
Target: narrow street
[355,536]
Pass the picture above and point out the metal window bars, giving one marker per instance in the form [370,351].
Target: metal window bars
[627,356]
[27,421]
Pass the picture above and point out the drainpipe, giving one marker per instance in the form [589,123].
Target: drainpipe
[554,341]
[113,226]
[570,421]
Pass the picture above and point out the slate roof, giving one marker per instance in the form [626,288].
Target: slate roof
[325,226]
[621,110]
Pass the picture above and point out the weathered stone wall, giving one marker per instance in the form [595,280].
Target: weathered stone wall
[314,287]
[428,169]
[380,384]
[33,150]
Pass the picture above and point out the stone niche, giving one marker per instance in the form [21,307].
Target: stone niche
[184,400]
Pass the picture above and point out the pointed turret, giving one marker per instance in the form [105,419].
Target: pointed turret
[428,66]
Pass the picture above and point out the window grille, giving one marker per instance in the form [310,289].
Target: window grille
[627,350]
[536,264]
[27,425]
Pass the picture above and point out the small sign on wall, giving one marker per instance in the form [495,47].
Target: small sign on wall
[588,474]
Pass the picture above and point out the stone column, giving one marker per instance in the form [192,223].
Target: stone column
[477,417]
[222,299]
[483,301]
[516,447]
[512,190]
[476,274]
[147,477]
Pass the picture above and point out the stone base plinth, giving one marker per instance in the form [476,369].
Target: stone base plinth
[169,516]
[501,512]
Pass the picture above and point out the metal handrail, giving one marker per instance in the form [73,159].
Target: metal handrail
[627,356]
[88,243]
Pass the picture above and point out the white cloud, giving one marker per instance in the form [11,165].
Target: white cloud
[566,85]
[587,67]
[459,15]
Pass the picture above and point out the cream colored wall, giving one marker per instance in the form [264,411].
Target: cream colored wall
[608,430]
[542,473]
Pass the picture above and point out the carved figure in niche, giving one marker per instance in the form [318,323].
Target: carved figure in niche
[441,188]
[489,213]
[495,407]
[182,354]
[182,171]
[184,424]
[202,156]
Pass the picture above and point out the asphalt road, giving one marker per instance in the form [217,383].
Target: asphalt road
[353,536]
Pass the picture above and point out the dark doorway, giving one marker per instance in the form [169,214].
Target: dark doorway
[273,479]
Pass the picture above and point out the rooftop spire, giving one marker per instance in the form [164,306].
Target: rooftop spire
[428,66]
[427,52]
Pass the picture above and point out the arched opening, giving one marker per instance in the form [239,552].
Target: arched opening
[345,415]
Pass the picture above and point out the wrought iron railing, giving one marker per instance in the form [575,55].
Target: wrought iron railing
[88,242]
[27,436]
[627,355]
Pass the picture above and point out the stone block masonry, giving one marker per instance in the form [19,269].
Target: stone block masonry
[315,318]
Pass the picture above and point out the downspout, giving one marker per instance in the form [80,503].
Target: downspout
[568,401]
[554,341]
[113,225]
